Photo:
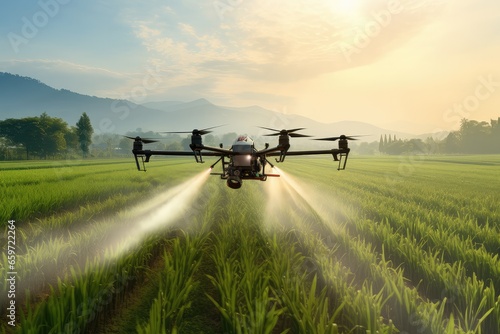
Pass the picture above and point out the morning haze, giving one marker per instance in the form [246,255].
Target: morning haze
[418,66]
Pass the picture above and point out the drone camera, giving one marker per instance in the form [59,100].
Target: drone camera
[234,182]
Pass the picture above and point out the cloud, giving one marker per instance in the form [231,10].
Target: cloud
[282,41]
[144,32]
[309,35]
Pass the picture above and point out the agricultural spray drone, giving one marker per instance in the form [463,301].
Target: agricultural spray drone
[242,161]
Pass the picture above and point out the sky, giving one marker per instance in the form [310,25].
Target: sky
[408,65]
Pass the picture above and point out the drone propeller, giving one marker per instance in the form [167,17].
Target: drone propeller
[196,132]
[285,132]
[144,140]
[340,137]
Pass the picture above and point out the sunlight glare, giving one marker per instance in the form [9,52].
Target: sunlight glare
[344,7]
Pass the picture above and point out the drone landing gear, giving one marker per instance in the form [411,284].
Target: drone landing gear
[198,157]
[224,175]
[143,159]
[264,175]
[270,164]
[341,158]
[282,157]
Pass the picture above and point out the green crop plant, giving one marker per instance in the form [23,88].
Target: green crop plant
[389,245]
[80,297]
[246,301]
[176,283]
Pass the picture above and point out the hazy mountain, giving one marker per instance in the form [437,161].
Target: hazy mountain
[247,120]
[161,105]
[23,96]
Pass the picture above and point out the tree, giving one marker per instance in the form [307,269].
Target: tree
[53,136]
[495,135]
[475,136]
[84,132]
[41,136]
[25,132]
[452,142]
[71,139]
[381,144]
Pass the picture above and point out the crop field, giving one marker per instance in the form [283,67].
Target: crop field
[389,245]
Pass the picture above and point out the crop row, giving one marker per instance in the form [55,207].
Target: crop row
[63,241]
[349,252]
[83,298]
[260,275]
[460,277]
[176,284]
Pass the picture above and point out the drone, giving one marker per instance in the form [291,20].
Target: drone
[243,161]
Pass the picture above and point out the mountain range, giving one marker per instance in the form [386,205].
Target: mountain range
[23,96]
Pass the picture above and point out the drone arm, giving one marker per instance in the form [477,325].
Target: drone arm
[312,152]
[213,151]
[145,155]
[149,153]
[339,155]
[280,150]
[274,150]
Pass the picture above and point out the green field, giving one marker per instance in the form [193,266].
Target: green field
[390,245]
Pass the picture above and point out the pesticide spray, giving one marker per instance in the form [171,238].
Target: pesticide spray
[159,212]
[291,200]
[112,237]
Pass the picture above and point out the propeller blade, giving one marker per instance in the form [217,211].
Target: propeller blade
[213,127]
[328,139]
[203,132]
[289,132]
[148,141]
[144,140]
[340,137]
[262,127]
[196,131]
[298,135]
[293,130]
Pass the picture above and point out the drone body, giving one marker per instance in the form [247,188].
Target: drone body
[243,161]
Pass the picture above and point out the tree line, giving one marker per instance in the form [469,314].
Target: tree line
[44,137]
[49,137]
[473,137]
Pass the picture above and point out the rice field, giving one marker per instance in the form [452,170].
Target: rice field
[390,245]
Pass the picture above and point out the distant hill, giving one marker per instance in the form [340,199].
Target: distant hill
[24,96]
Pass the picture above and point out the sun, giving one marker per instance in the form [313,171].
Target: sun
[344,7]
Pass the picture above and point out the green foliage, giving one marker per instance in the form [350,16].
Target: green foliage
[42,136]
[473,137]
[84,133]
